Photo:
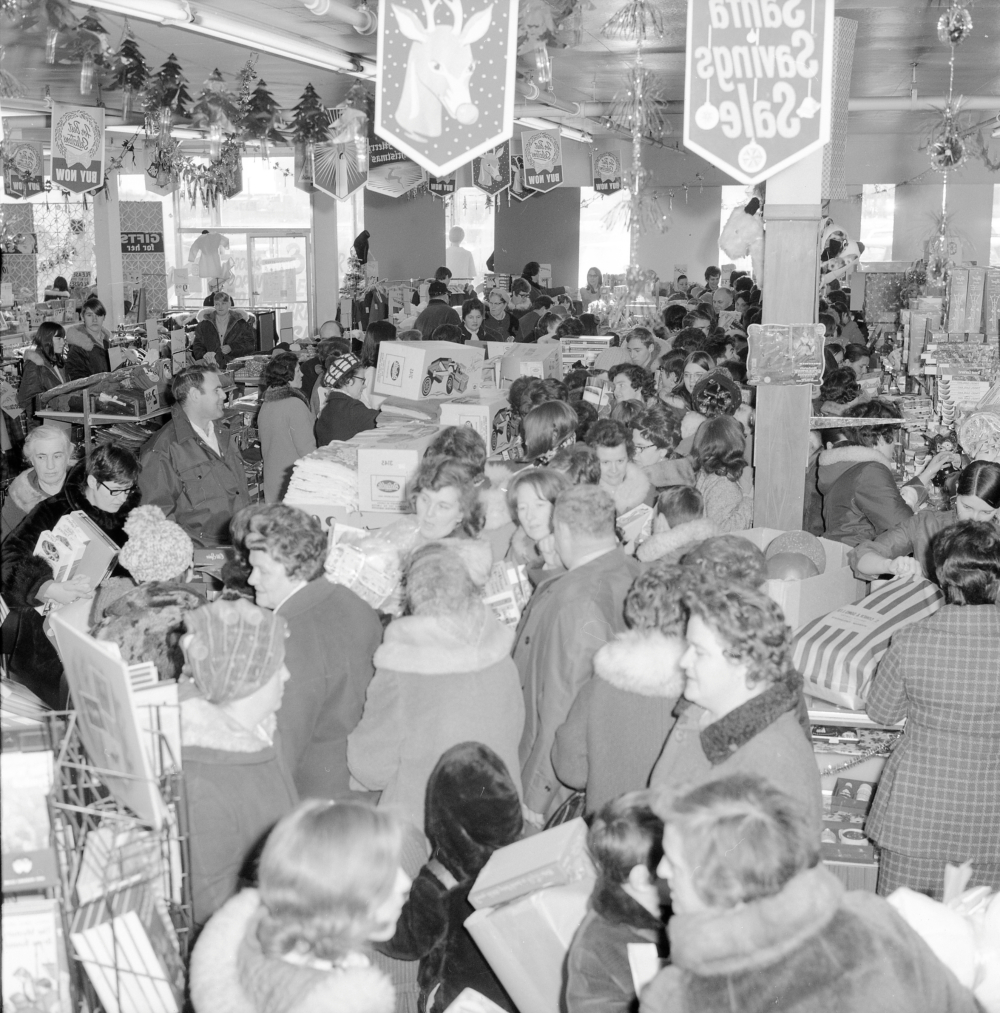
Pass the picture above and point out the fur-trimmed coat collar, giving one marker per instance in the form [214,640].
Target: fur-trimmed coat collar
[26,492]
[672,544]
[851,455]
[230,973]
[81,338]
[613,904]
[494,496]
[644,662]
[205,725]
[634,489]
[34,356]
[444,645]
[722,738]
[284,391]
[758,934]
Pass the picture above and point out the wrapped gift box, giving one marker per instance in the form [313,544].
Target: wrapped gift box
[419,369]
[526,942]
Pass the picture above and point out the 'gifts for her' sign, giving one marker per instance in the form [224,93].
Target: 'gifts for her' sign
[444,89]
[543,159]
[77,147]
[758,83]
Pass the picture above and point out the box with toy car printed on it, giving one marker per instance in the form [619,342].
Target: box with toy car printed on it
[421,369]
[488,413]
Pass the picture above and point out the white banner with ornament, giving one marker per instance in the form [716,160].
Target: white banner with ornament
[543,159]
[758,83]
[609,174]
[77,147]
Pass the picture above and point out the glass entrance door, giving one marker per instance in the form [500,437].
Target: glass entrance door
[280,275]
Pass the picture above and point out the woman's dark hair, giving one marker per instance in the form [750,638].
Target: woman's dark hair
[673,316]
[379,331]
[546,321]
[279,370]
[609,433]
[448,332]
[587,414]
[95,306]
[109,463]
[661,426]
[531,270]
[643,381]
[737,370]
[577,379]
[47,330]
[742,284]
[546,427]
[590,323]
[461,442]
[436,473]
[672,364]
[472,304]
[60,284]
[751,315]
[840,386]
[982,480]
[578,463]
[719,446]
[855,351]
[966,563]
[869,436]
[600,277]
[626,412]
[436,289]
[690,339]
[571,327]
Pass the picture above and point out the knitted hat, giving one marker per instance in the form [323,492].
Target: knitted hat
[157,549]
[234,648]
[339,368]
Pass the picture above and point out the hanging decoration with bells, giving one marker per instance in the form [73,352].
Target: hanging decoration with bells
[954,26]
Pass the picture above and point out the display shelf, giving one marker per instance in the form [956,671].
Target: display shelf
[100,419]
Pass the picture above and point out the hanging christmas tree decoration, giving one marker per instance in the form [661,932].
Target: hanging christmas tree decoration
[955,25]
[308,128]
[638,20]
[215,109]
[263,118]
[131,71]
[166,97]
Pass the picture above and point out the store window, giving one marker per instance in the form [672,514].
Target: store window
[733,197]
[350,224]
[602,247]
[468,210]
[878,205]
[995,228]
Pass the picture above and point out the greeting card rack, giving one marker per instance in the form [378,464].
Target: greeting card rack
[104,849]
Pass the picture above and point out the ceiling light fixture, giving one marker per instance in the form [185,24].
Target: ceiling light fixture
[568,132]
[180,15]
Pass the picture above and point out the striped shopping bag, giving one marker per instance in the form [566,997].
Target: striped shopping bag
[838,653]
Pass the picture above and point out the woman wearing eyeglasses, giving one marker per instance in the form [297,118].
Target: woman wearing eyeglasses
[105,490]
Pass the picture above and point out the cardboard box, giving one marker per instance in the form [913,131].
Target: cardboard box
[852,796]
[489,414]
[420,369]
[526,942]
[805,600]
[583,349]
[77,547]
[991,302]
[386,463]
[542,361]
[551,858]
[974,300]
[958,293]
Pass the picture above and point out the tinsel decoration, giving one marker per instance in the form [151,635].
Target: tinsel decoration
[643,213]
[638,20]
[948,151]
[954,26]
[638,107]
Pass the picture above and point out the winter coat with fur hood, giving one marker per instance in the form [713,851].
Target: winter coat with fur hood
[635,488]
[23,495]
[285,424]
[860,497]
[728,504]
[37,376]
[231,974]
[238,787]
[764,736]
[670,545]
[239,336]
[84,355]
[810,948]
[619,721]
[438,681]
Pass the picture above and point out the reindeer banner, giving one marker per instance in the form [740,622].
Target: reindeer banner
[445,78]
[517,187]
[543,159]
[491,171]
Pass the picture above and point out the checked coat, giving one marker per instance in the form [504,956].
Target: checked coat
[939,795]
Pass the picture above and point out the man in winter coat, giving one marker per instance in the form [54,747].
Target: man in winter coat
[223,334]
[191,468]
[570,616]
[437,311]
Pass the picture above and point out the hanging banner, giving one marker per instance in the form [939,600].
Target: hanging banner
[77,147]
[441,187]
[543,159]
[395,179]
[517,187]
[609,177]
[444,90]
[302,155]
[757,84]
[340,164]
[23,170]
[491,170]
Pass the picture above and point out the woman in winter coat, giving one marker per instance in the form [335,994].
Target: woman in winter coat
[87,343]
[760,924]
[443,675]
[938,800]
[743,709]
[330,886]
[104,488]
[679,525]
[223,334]
[235,777]
[284,422]
[473,808]
[721,473]
[621,477]
[49,452]
[44,366]
[619,721]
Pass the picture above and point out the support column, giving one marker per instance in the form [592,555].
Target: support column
[791,280]
[326,289]
[108,253]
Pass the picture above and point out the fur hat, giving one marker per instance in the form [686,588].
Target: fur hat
[471,809]
[157,549]
[235,647]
